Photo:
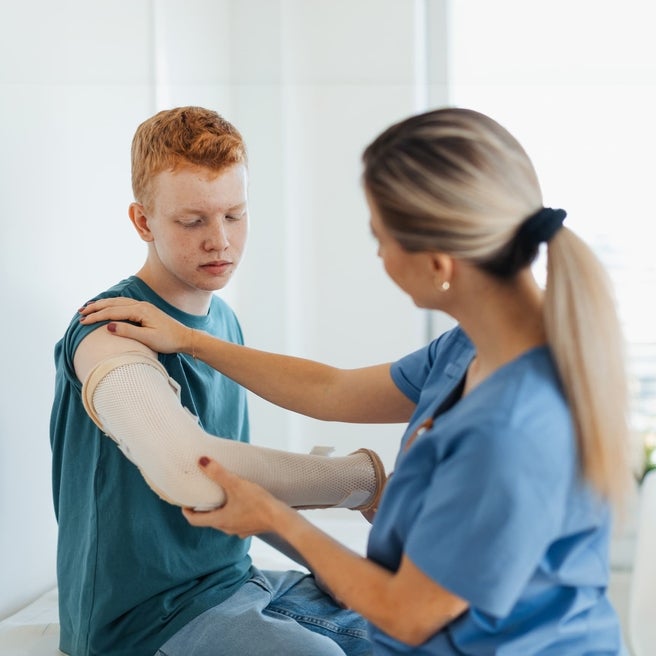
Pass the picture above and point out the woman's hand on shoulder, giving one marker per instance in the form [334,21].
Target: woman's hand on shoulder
[141,321]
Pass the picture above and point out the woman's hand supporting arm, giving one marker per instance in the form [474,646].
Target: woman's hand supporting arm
[357,582]
[365,395]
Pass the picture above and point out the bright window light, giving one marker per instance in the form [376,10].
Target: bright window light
[575,82]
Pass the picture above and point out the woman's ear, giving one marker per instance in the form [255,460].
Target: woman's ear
[441,269]
[139,220]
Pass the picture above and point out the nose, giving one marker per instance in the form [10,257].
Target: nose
[216,238]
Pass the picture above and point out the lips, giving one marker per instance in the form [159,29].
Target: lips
[216,268]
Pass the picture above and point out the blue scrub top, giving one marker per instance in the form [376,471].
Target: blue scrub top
[489,504]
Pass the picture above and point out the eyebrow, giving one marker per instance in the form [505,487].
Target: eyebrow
[198,210]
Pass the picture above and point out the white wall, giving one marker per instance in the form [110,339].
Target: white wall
[309,83]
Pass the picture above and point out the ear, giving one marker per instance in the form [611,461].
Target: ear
[442,268]
[139,220]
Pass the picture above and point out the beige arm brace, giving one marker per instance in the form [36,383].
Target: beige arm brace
[133,400]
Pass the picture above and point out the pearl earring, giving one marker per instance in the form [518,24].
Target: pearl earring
[445,286]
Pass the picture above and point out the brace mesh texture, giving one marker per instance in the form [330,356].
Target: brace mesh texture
[141,412]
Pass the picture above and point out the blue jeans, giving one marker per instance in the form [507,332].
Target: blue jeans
[273,613]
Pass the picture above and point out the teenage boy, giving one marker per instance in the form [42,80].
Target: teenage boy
[134,577]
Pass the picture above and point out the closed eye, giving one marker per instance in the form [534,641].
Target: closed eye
[190,223]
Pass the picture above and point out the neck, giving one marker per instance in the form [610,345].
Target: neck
[185,298]
[505,320]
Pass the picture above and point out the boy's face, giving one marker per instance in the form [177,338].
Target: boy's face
[196,225]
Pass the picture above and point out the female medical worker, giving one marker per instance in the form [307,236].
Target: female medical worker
[492,533]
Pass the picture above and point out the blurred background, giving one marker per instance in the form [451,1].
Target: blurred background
[309,83]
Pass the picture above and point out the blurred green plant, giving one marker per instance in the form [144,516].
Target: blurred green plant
[649,451]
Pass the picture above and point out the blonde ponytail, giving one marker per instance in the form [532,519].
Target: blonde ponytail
[454,180]
[585,337]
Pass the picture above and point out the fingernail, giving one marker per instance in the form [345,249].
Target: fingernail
[203,461]
[111,327]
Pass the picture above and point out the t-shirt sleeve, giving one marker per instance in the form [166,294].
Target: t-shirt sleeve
[75,333]
[488,515]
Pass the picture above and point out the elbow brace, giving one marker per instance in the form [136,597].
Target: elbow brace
[133,400]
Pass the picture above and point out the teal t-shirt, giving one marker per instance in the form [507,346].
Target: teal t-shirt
[131,570]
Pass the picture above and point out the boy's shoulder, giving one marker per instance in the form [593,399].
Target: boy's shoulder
[130,287]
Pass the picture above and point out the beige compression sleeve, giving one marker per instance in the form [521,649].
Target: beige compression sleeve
[133,400]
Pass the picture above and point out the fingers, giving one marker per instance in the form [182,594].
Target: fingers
[218,473]
[224,478]
[137,320]
[200,518]
[219,518]
[122,329]
[114,301]
[118,309]
[245,510]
